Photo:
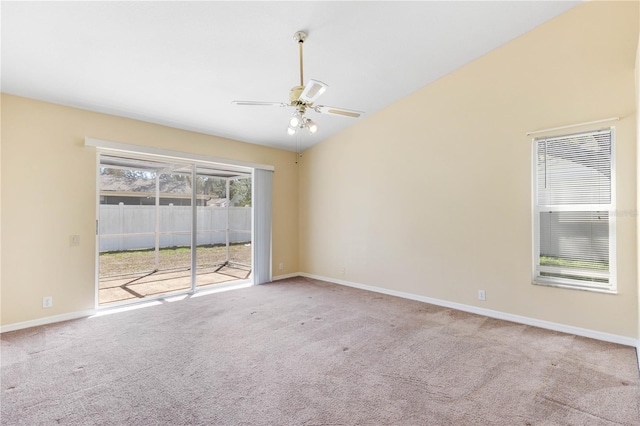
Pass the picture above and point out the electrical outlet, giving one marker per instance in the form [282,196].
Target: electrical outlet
[74,240]
[47,301]
[281,266]
[342,270]
[482,295]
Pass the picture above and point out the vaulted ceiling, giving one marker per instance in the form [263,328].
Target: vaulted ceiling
[181,64]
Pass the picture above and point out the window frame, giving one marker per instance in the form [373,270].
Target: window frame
[536,279]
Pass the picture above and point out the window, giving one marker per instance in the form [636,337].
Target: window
[574,206]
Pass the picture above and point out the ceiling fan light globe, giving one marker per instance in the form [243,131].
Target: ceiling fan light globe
[311,126]
[291,130]
[294,121]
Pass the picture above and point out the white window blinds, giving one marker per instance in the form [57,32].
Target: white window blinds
[575,169]
[262,208]
[574,230]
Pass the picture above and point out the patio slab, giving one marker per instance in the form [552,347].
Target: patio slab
[139,286]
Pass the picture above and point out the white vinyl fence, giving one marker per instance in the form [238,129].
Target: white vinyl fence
[125,227]
[571,235]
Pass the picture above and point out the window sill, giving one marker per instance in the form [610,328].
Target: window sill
[550,283]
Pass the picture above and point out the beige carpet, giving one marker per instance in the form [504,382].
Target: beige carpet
[304,352]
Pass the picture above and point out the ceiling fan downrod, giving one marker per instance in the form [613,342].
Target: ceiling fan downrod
[300,37]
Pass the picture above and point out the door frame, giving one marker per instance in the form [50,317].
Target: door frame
[192,160]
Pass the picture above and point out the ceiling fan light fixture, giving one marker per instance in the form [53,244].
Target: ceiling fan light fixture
[296,120]
[291,130]
[311,125]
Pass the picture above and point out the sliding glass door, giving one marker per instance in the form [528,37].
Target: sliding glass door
[150,210]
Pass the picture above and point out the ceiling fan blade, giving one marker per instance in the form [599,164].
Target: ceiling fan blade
[312,91]
[257,103]
[337,111]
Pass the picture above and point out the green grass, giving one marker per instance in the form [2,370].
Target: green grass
[568,263]
[137,261]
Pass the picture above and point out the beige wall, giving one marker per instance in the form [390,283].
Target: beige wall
[0,209]
[432,195]
[49,193]
[638,178]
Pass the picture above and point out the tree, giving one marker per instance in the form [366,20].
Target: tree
[240,192]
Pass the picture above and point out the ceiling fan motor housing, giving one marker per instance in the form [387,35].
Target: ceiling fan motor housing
[294,94]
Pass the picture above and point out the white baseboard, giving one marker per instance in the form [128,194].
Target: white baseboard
[285,276]
[46,320]
[598,335]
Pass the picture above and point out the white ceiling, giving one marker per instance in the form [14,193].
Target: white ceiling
[182,63]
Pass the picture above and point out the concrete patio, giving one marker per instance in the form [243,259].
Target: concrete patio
[123,288]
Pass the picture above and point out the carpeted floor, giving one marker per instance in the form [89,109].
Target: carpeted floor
[304,352]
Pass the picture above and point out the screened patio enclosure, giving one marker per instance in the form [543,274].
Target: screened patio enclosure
[167,227]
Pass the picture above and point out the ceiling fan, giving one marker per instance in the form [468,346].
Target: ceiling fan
[302,98]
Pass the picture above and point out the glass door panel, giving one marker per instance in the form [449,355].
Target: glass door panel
[220,226]
[143,240]
[240,228]
[126,227]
